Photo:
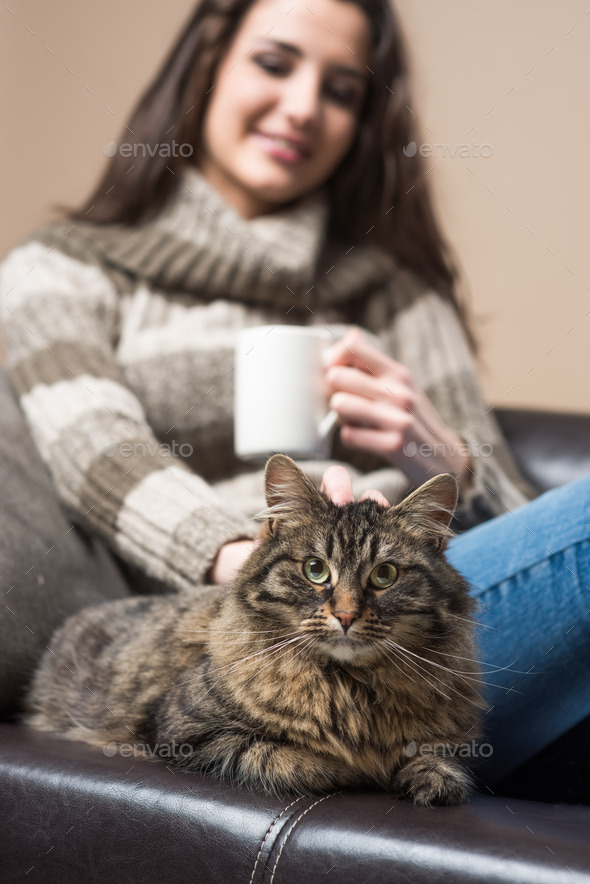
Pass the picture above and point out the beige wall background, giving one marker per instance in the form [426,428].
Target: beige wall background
[512,75]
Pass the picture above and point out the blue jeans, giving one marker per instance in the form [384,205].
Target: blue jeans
[530,572]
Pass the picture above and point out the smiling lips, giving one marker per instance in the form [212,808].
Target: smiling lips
[284,147]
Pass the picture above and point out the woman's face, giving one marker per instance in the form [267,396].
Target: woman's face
[285,103]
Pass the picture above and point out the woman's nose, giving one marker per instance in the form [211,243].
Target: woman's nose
[301,99]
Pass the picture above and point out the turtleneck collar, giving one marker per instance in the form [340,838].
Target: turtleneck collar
[199,244]
[286,240]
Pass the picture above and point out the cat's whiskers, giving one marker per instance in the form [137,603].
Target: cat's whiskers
[309,642]
[404,660]
[273,648]
[220,672]
[214,631]
[384,657]
[223,675]
[312,643]
[463,674]
[228,667]
[470,620]
[209,634]
[376,631]
[404,654]
[251,658]
[481,663]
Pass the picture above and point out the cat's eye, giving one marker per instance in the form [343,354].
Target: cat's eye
[316,570]
[383,576]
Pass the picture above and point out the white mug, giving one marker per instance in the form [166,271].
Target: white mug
[280,400]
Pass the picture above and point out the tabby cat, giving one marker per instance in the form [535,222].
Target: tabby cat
[341,655]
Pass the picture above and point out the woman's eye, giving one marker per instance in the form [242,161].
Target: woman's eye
[343,97]
[316,570]
[383,576]
[270,64]
[276,67]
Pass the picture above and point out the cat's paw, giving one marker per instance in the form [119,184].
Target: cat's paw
[432,781]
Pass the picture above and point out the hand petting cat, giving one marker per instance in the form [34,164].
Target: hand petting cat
[336,483]
[381,410]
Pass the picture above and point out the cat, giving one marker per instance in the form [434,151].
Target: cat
[342,655]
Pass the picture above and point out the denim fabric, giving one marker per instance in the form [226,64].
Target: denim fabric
[530,572]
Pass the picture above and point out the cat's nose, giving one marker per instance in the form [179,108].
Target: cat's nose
[346,618]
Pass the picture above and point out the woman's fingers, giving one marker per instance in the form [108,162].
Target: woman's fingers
[345,379]
[368,413]
[386,443]
[355,350]
[352,380]
[375,495]
[337,484]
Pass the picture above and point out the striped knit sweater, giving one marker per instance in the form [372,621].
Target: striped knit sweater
[120,342]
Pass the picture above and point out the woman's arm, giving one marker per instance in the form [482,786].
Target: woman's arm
[61,321]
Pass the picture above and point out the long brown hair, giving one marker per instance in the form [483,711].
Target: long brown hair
[377,186]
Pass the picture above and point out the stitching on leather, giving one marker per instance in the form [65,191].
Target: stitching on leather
[269,830]
[297,821]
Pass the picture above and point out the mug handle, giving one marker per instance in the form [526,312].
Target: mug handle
[327,424]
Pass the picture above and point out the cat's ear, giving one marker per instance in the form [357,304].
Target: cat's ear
[428,511]
[289,492]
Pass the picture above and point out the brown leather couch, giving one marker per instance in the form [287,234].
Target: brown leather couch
[68,813]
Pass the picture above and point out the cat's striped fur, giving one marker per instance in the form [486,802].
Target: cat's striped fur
[282,683]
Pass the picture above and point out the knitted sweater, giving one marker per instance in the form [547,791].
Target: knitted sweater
[120,342]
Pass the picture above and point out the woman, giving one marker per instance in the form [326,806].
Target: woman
[265,181]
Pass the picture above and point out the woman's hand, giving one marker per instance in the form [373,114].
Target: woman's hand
[230,559]
[337,484]
[381,410]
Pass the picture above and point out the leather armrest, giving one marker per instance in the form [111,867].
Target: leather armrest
[550,448]
[71,814]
